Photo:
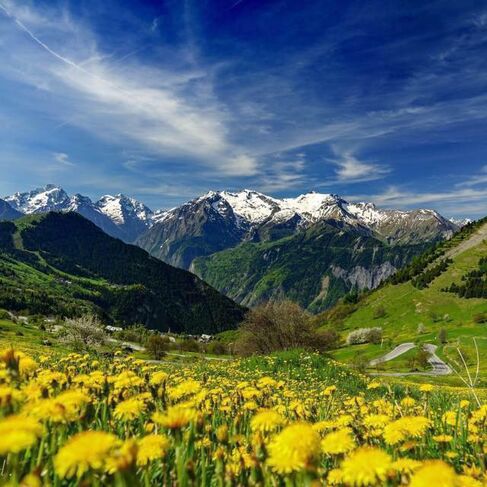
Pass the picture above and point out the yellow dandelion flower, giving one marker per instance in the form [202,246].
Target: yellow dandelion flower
[158,378]
[122,457]
[175,417]
[18,433]
[434,473]
[426,387]
[129,409]
[405,465]
[84,451]
[329,390]
[294,449]
[406,427]
[338,442]
[443,438]
[266,421]
[366,466]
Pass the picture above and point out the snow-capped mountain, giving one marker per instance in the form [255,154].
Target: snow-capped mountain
[40,200]
[119,216]
[222,219]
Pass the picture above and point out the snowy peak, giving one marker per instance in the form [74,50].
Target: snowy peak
[40,200]
[119,216]
[121,209]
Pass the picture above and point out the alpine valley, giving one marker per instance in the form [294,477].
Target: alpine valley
[252,247]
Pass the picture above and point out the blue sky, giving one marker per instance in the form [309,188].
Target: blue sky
[164,100]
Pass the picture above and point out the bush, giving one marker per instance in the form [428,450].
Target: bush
[134,333]
[4,314]
[326,340]
[217,348]
[156,346]
[379,312]
[364,335]
[85,333]
[420,359]
[480,318]
[278,326]
[189,345]
[443,336]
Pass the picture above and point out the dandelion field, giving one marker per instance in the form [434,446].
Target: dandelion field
[292,419]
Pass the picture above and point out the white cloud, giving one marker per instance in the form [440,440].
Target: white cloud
[170,111]
[353,170]
[63,159]
[455,202]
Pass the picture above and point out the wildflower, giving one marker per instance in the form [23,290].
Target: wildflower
[406,427]
[129,409]
[84,451]
[373,385]
[338,442]
[329,390]
[222,433]
[405,465]
[18,433]
[294,449]
[443,438]
[158,378]
[426,387]
[184,389]
[122,457]
[366,466]
[266,421]
[434,473]
[175,417]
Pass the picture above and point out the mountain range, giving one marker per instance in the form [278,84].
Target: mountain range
[252,247]
[119,216]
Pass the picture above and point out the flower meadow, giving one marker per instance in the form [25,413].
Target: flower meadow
[287,420]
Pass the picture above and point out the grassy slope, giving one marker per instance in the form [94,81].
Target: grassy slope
[60,264]
[406,307]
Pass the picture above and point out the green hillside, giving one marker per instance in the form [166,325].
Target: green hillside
[62,264]
[418,308]
[314,267]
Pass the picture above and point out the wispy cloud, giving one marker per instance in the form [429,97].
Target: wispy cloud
[353,170]
[139,103]
[63,159]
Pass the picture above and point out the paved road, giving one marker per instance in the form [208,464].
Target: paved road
[438,366]
[399,350]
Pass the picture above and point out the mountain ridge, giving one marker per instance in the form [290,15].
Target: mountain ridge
[56,263]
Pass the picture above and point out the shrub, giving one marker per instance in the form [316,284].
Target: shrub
[189,345]
[480,318]
[84,333]
[419,359]
[4,314]
[364,335]
[379,312]
[326,340]
[134,333]
[278,326]
[217,348]
[156,345]
[443,336]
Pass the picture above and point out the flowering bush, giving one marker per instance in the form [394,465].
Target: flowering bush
[364,335]
[285,420]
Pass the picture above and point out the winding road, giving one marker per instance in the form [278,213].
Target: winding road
[438,366]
